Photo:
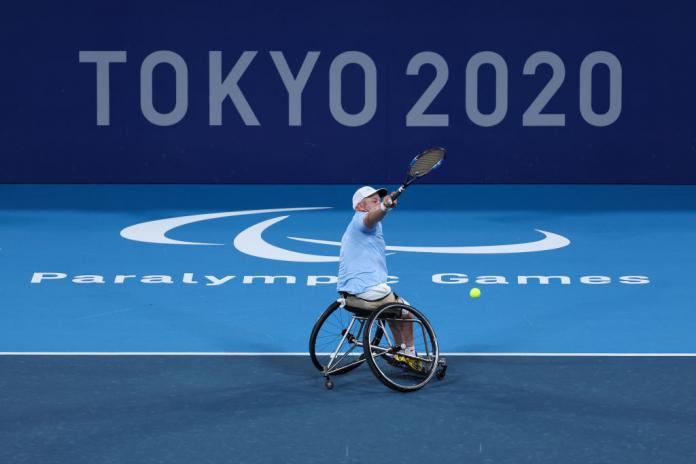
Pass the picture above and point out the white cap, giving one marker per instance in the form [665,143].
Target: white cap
[364,192]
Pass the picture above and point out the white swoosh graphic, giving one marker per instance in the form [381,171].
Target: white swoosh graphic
[249,241]
[550,241]
[155,231]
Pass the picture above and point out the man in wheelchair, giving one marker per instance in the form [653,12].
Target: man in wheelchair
[362,272]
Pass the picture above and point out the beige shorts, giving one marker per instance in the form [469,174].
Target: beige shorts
[356,302]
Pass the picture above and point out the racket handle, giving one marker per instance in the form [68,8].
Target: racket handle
[396,194]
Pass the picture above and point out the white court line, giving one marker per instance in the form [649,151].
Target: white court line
[99,353]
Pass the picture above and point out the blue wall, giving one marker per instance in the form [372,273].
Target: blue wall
[51,129]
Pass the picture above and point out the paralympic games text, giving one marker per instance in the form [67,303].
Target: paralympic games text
[450,278]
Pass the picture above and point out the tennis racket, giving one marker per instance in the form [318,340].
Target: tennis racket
[421,165]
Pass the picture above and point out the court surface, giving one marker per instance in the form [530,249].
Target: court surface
[169,324]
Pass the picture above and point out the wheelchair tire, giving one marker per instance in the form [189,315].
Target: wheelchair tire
[314,355]
[375,359]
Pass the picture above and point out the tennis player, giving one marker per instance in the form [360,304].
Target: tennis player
[362,270]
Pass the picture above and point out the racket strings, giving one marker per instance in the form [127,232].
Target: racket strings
[426,162]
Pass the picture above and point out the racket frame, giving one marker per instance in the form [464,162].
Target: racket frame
[410,179]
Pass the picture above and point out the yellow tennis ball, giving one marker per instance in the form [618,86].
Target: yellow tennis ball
[474,293]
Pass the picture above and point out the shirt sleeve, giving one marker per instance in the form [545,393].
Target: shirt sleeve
[359,223]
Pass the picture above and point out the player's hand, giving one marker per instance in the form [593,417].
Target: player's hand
[388,202]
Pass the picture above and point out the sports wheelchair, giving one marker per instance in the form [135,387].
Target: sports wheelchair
[345,337]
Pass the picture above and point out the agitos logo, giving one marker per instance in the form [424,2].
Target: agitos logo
[250,241]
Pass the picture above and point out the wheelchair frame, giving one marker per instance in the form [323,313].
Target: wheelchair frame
[366,320]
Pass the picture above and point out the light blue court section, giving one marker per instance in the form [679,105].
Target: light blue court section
[623,284]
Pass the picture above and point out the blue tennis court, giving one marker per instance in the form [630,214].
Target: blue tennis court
[582,352]
[611,279]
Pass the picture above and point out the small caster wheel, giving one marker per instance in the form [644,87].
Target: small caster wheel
[440,374]
[329,384]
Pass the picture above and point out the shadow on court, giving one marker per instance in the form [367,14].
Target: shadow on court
[221,409]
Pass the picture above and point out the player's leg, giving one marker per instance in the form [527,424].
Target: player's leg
[406,328]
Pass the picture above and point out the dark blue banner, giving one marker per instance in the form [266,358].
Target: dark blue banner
[341,92]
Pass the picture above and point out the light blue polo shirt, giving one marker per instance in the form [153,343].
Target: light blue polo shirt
[363,262]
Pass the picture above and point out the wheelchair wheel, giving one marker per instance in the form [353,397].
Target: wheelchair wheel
[335,345]
[399,371]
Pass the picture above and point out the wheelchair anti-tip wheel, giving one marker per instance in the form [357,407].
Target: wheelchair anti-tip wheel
[399,370]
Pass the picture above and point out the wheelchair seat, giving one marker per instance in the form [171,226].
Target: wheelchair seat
[359,312]
[366,313]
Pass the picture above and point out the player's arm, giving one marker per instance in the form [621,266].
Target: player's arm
[373,217]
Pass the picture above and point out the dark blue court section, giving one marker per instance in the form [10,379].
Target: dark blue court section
[182,410]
